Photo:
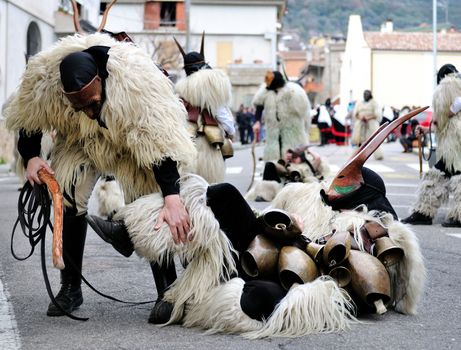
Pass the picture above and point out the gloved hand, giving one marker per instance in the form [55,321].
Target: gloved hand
[456,105]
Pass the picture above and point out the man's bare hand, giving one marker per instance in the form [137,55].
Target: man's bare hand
[175,215]
[33,166]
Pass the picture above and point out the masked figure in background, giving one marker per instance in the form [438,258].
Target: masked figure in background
[114,112]
[206,94]
[299,165]
[445,177]
[292,267]
[286,111]
[366,118]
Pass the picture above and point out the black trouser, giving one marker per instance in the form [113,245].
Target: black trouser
[239,223]
[234,215]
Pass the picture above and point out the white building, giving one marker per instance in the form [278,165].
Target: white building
[396,66]
[241,35]
[26,27]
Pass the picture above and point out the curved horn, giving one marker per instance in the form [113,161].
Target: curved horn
[180,48]
[284,71]
[202,46]
[349,177]
[379,138]
[104,16]
[78,29]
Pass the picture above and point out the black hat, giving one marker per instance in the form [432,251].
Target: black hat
[445,70]
[193,61]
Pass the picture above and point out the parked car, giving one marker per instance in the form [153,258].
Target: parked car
[424,118]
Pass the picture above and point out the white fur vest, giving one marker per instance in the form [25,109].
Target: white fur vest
[286,116]
[448,130]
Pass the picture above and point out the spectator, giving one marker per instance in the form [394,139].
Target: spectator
[241,123]
[407,140]
[367,116]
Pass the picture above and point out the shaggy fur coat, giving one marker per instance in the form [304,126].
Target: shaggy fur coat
[145,120]
[208,89]
[363,130]
[286,116]
[205,296]
[448,130]
[435,186]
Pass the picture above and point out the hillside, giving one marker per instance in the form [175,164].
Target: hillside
[316,17]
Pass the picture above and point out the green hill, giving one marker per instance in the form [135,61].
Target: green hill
[317,17]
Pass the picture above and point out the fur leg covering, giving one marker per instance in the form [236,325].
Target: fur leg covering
[455,188]
[409,275]
[319,306]
[220,311]
[432,193]
[264,189]
[208,250]
[109,196]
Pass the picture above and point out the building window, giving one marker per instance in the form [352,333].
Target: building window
[168,14]
[34,40]
[164,14]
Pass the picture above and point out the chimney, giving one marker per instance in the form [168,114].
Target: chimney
[387,26]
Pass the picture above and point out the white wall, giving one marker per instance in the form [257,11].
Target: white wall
[404,78]
[247,48]
[125,17]
[250,29]
[233,19]
[14,22]
[356,66]
[43,9]
[3,42]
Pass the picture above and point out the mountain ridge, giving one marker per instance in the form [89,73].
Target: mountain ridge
[311,18]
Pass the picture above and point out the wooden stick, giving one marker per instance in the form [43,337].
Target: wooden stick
[253,155]
[56,195]
[420,154]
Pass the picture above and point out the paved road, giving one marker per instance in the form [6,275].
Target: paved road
[23,299]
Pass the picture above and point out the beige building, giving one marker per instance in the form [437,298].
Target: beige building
[396,66]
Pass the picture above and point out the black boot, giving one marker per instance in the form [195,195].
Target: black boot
[164,276]
[113,232]
[451,223]
[417,219]
[73,243]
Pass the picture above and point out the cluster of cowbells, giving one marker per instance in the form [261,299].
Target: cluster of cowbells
[281,250]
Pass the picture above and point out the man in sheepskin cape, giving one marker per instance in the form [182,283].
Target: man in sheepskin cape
[206,93]
[286,115]
[445,177]
[367,117]
[113,112]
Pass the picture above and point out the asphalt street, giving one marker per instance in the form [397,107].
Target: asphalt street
[111,325]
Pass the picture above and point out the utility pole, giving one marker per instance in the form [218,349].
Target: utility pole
[187,18]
